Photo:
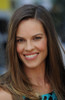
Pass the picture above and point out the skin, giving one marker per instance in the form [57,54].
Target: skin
[5,95]
[31,42]
[31,39]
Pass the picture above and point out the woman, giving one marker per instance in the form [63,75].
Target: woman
[35,64]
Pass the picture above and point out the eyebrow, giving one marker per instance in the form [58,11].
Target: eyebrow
[32,36]
[38,34]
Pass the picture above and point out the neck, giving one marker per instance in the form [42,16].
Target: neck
[36,75]
[38,79]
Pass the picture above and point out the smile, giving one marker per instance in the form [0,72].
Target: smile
[31,56]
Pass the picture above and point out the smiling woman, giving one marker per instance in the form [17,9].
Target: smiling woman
[31,45]
[35,64]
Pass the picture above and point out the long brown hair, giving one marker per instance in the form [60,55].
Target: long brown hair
[54,66]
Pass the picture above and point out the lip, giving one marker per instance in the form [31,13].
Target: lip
[31,58]
[30,54]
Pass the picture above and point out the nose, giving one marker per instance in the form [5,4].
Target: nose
[29,46]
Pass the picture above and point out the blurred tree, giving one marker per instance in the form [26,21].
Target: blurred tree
[58,14]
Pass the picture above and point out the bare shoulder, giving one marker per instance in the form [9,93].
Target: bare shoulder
[5,95]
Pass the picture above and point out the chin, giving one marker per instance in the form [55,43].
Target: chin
[30,66]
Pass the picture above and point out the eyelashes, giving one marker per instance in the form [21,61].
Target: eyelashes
[37,38]
[22,40]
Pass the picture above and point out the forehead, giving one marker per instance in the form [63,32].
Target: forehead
[30,27]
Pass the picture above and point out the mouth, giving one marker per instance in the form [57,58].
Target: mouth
[31,56]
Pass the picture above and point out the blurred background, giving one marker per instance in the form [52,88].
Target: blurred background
[7,8]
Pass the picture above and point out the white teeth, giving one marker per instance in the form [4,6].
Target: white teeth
[30,56]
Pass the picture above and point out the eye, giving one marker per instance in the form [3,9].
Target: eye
[20,40]
[37,38]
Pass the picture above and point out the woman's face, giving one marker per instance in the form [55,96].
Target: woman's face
[31,43]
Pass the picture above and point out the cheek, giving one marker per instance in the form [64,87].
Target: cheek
[42,45]
[19,49]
